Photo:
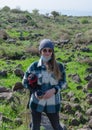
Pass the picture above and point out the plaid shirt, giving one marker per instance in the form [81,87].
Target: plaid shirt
[47,81]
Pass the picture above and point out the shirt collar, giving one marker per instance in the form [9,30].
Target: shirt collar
[39,63]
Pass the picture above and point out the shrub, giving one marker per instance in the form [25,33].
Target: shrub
[6,9]
[55,14]
[84,21]
[16,11]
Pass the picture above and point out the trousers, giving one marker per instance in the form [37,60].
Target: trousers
[53,117]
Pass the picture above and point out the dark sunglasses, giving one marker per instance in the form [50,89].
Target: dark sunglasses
[47,50]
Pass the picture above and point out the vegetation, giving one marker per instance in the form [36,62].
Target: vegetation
[20,33]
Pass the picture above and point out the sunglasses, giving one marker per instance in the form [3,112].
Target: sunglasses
[47,50]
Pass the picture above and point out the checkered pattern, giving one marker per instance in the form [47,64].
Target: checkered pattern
[47,81]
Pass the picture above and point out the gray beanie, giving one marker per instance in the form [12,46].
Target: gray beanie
[46,43]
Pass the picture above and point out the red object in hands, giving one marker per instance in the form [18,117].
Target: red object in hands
[32,80]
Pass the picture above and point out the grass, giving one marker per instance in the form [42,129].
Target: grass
[10,66]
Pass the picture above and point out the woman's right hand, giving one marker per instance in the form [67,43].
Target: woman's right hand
[49,93]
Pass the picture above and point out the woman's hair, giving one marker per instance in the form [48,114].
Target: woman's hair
[54,67]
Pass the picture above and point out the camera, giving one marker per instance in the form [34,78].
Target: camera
[32,81]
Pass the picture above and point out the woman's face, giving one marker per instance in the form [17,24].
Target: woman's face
[46,52]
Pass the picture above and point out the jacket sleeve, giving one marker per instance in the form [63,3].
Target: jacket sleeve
[27,73]
[25,81]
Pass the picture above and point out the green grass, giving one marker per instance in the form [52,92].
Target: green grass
[11,79]
[16,33]
[7,111]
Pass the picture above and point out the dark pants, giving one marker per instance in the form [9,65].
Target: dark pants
[53,117]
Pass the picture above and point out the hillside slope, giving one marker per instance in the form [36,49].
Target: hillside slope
[20,33]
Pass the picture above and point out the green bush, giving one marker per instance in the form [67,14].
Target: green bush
[6,8]
[84,21]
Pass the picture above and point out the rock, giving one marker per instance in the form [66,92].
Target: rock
[9,40]
[3,35]
[17,86]
[75,77]
[1,115]
[89,70]
[85,49]
[18,121]
[89,100]
[88,77]
[74,122]
[6,119]
[75,99]
[89,112]
[79,87]
[70,94]
[78,35]
[77,107]
[80,117]
[84,129]
[3,73]
[3,89]
[89,95]
[68,108]
[5,95]
[89,85]
[90,123]
[19,72]
[63,126]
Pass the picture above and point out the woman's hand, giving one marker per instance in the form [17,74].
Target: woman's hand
[49,93]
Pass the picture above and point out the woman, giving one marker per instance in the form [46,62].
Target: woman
[46,93]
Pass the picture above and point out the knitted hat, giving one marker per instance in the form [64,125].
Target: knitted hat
[46,43]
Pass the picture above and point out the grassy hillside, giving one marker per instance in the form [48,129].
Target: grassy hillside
[20,33]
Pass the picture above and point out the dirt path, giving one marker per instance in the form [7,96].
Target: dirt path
[46,123]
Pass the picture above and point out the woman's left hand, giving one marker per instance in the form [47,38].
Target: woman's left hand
[49,93]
